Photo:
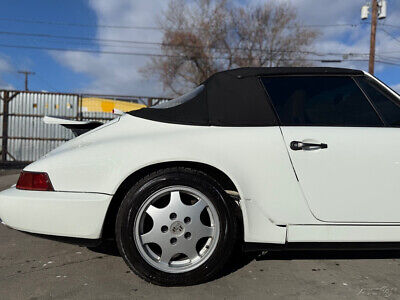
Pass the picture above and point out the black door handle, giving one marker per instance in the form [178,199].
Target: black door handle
[296,145]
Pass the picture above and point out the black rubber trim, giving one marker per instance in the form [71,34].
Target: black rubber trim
[254,247]
[385,124]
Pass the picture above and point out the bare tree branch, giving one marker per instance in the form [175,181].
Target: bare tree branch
[202,37]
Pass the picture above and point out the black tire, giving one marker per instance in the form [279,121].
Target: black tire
[136,196]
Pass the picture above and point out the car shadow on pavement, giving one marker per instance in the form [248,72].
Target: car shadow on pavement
[106,247]
[239,259]
[329,254]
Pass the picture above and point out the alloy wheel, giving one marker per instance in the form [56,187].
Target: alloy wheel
[176,229]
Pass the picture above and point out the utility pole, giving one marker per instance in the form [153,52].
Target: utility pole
[374,18]
[26,77]
[379,8]
[4,142]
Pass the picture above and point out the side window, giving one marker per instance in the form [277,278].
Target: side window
[320,101]
[385,102]
[181,99]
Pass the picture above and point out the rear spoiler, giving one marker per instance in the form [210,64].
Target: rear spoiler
[77,127]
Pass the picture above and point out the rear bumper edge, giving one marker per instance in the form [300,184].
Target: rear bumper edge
[64,214]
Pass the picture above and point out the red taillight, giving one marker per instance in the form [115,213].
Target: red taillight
[34,181]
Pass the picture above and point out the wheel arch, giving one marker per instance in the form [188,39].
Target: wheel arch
[108,225]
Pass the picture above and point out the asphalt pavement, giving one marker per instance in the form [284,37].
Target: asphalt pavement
[36,268]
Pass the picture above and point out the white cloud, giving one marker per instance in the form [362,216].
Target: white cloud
[348,39]
[119,74]
[5,67]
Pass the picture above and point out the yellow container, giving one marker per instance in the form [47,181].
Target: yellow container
[93,104]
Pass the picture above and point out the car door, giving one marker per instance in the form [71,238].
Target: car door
[344,151]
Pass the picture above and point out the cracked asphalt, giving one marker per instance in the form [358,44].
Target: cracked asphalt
[36,268]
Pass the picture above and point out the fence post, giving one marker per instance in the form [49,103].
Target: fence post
[4,144]
[80,111]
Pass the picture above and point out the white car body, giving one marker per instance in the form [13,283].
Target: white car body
[282,197]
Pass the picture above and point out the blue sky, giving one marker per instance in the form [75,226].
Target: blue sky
[50,74]
[101,73]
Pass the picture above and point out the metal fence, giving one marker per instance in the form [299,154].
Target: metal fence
[25,137]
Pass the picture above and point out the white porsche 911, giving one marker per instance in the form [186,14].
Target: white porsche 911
[276,158]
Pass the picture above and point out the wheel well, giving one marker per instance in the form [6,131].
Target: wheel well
[109,222]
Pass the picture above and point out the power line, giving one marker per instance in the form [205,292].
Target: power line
[164,55]
[389,59]
[95,51]
[46,35]
[331,25]
[387,63]
[93,45]
[390,35]
[78,24]
[27,21]
[366,60]
[389,25]
[85,50]
[155,54]
[395,39]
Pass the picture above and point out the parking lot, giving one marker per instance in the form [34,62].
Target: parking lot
[35,268]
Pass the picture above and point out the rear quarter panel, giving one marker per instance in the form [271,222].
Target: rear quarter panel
[255,158]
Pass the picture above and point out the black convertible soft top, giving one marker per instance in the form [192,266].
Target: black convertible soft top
[230,98]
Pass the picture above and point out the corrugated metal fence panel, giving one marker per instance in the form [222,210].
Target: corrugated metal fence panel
[98,116]
[29,137]
[1,116]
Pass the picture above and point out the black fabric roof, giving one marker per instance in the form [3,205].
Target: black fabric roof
[244,72]
[232,98]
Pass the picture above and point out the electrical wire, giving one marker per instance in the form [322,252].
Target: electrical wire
[163,55]
[390,35]
[160,44]
[27,21]
[125,53]
[389,25]
[16,20]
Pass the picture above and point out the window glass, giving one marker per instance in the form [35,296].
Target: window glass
[320,101]
[181,99]
[386,103]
